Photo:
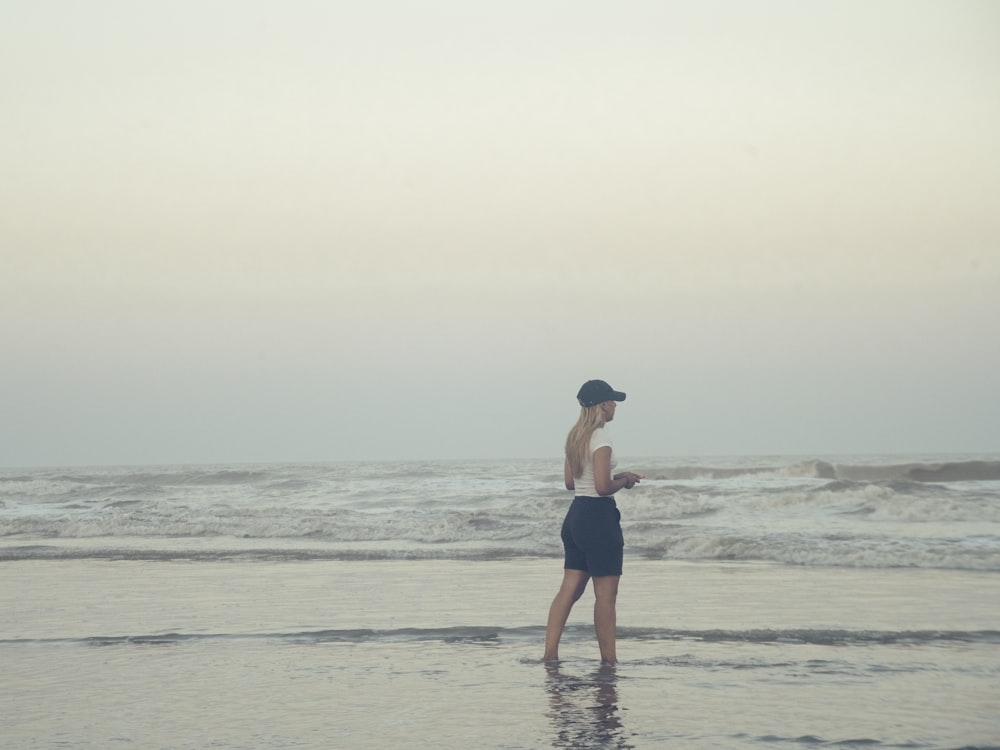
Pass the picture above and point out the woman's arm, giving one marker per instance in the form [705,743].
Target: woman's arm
[604,483]
[630,477]
[568,476]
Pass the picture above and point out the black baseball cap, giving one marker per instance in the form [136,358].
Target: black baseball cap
[595,392]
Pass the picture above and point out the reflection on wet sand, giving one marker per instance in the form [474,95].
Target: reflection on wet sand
[584,710]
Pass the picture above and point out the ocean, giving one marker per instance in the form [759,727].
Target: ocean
[767,602]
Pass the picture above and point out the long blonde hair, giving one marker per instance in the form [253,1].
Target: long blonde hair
[578,439]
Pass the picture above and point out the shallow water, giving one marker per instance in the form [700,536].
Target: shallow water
[432,654]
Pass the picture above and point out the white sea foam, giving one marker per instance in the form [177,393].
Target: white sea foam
[790,512]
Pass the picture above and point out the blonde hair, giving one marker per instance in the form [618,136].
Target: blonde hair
[578,439]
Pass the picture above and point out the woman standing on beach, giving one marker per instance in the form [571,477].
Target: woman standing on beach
[591,531]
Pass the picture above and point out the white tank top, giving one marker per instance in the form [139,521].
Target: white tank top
[584,484]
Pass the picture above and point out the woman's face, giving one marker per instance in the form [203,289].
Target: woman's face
[608,409]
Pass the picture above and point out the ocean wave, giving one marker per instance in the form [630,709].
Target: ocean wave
[956,471]
[854,525]
[970,553]
[187,477]
[879,515]
[479,634]
[676,542]
[953,471]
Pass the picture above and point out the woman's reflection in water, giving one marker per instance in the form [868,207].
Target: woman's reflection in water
[584,710]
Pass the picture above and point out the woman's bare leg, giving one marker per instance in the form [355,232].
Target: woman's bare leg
[605,618]
[574,583]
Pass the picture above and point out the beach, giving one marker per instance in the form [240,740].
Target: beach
[446,654]
[219,641]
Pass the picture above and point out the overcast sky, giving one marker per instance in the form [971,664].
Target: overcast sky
[240,231]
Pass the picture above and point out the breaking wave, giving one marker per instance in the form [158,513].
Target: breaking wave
[928,514]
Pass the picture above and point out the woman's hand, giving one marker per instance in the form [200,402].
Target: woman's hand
[631,478]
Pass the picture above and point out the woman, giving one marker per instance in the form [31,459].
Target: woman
[591,532]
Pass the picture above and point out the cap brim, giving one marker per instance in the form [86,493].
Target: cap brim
[617,396]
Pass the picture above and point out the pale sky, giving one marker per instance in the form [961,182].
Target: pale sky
[242,231]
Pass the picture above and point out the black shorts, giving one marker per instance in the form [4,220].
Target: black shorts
[592,536]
